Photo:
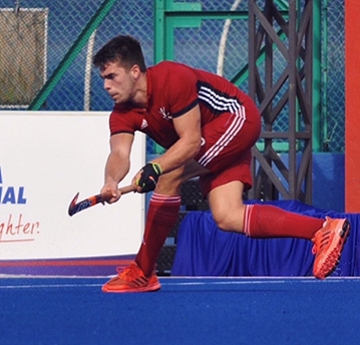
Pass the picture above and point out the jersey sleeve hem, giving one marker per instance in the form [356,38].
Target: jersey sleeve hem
[186,109]
[119,132]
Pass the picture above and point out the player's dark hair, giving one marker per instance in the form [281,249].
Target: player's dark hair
[124,50]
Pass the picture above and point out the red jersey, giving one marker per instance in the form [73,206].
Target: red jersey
[174,89]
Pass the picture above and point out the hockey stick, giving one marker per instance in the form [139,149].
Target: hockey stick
[76,207]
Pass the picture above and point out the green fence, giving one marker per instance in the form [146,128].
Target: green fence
[46,50]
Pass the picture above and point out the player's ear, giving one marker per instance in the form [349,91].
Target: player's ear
[135,72]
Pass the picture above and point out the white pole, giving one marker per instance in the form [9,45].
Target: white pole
[221,56]
[88,68]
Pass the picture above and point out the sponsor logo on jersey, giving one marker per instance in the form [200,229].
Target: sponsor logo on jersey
[144,124]
[165,114]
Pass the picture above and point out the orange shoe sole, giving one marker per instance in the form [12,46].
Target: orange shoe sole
[127,289]
[333,259]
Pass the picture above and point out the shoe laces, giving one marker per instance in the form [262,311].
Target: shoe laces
[130,272]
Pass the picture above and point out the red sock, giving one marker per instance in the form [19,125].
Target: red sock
[162,215]
[266,221]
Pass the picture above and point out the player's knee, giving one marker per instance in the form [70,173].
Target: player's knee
[227,222]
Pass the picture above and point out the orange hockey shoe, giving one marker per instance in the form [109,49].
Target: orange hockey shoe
[329,242]
[132,279]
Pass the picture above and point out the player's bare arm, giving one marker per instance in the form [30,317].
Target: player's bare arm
[117,164]
[188,128]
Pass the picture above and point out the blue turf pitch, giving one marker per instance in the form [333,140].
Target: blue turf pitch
[198,311]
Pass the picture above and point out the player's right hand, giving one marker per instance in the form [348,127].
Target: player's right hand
[110,193]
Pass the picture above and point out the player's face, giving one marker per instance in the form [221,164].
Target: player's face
[118,82]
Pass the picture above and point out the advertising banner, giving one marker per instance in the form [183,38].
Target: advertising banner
[45,159]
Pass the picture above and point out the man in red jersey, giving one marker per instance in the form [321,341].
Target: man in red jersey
[208,127]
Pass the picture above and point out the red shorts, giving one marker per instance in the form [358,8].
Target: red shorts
[226,148]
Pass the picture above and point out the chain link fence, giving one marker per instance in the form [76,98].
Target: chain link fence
[333,88]
[36,36]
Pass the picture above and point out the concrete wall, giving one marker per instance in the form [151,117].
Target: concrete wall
[329,181]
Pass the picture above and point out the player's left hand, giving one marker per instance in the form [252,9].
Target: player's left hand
[147,178]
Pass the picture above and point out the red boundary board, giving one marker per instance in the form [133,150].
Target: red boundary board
[352,106]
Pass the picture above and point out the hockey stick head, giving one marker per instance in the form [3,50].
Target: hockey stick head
[76,207]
